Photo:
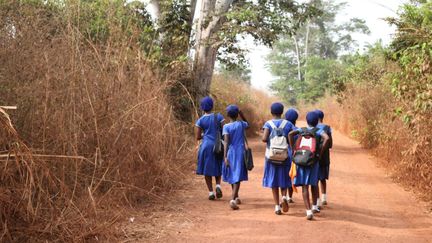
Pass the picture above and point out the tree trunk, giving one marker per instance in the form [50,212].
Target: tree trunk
[299,74]
[299,70]
[307,43]
[204,67]
[156,6]
[209,23]
[193,4]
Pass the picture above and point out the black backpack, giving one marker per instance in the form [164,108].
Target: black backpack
[218,147]
[307,147]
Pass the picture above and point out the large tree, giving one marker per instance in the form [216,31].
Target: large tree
[304,62]
[216,27]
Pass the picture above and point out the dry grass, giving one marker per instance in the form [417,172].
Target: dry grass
[96,133]
[254,103]
[368,116]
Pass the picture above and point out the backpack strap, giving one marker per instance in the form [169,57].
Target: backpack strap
[216,122]
[272,125]
[283,124]
[312,131]
[245,139]
[303,130]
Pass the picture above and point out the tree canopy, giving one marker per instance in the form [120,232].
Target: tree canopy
[304,62]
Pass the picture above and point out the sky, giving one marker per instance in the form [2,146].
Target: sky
[372,11]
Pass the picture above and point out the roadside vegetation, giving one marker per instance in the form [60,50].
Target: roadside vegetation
[106,96]
[386,98]
[383,97]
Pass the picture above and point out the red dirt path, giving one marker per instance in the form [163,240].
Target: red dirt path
[364,206]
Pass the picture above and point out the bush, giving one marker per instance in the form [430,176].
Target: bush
[386,99]
[96,130]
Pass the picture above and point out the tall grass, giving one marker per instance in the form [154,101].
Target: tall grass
[254,103]
[93,134]
[368,115]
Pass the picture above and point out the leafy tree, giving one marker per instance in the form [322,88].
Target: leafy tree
[412,50]
[316,45]
[240,72]
[221,23]
[182,36]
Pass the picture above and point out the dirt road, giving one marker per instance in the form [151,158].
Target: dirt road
[364,206]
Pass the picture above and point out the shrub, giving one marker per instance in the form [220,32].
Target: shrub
[94,130]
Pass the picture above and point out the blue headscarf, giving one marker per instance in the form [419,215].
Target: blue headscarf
[320,114]
[312,118]
[277,108]
[291,115]
[206,104]
[232,110]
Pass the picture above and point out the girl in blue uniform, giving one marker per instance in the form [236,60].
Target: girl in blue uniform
[206,129]
[308,175]
[234,169]
[291,115]
[324,170]
[277,176]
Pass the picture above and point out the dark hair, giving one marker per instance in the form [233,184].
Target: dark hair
[233,116]
[291,115]
[312,118]
[232,111]
[277,108]
[320,114]
[206,104]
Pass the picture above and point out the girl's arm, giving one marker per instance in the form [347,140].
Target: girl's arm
[266,135]
[198,132]
[243,117]
[326,143]
[331,139]
[222,123]
[291,136]
[226,140]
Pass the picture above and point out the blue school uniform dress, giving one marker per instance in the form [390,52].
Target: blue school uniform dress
[277,175]
[324,169]
[236,171]
[307,175]
[208,165]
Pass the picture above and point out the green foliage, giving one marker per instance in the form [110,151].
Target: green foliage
[239,72]
[164,42]
[264,21]
[318,75]
[173,32]
[387,95]
[413,25]
[306,62]
[412,50]
[403,69]
[317,81]
[368,68]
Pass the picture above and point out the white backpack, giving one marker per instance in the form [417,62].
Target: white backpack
[277,151]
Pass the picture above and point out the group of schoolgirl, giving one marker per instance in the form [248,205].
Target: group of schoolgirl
[285,143]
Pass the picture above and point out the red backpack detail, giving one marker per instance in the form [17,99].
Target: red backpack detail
[306,147]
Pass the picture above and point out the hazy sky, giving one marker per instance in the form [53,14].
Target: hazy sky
[373,11]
